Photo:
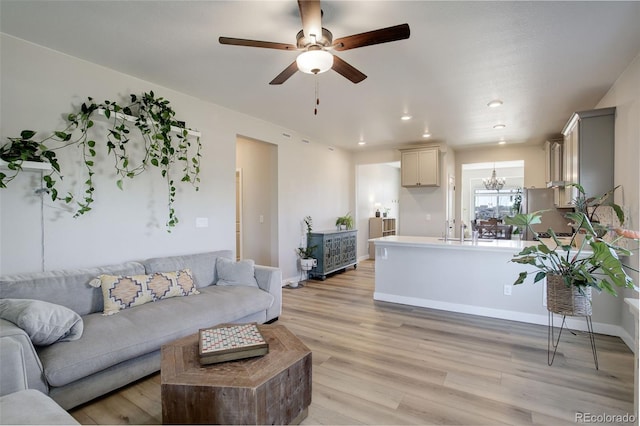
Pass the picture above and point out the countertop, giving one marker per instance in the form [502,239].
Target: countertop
[634,305]
[454,243]
[333,231]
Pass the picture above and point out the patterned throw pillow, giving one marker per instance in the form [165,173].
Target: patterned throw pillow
[127,291]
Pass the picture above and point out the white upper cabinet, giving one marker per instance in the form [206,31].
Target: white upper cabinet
[420,167]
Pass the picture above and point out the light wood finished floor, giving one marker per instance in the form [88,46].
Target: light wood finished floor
[381,363]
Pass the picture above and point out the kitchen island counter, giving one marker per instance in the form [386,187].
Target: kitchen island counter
[510,246]
[474,278]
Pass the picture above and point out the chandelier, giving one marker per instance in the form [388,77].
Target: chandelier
[494,183]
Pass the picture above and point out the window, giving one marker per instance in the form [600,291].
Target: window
[493,204]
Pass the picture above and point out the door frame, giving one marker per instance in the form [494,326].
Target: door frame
[239,199]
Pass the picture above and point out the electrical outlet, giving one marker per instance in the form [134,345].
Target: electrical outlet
[507,289]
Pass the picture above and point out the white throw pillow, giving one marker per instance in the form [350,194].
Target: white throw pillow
[236,273]
[44,322]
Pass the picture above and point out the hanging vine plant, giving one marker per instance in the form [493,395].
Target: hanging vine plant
[166,143]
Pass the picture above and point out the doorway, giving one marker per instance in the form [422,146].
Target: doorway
[478,202]
[257,201]
[377,189]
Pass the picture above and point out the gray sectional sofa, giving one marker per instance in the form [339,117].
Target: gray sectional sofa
[118,349]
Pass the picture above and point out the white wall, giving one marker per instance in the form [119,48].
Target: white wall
[416,203]
[423,209]
[625,96]
[39,86]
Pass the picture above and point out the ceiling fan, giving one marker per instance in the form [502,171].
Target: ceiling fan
[316,44]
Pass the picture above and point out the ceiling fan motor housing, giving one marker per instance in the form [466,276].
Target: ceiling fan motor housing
[325,40]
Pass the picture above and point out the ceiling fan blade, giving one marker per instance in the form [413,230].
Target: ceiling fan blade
[311,16]
[383,35]
[256,43]
[347,71]
[284,75]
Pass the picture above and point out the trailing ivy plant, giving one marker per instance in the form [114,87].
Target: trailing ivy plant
[162,148]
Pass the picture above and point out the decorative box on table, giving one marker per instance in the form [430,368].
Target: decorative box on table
[230,342]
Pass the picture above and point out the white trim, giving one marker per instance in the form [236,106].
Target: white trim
[29,165]
[133,119]
[239,213]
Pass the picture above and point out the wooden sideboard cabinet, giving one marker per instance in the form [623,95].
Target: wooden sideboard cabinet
[335,250]
[380,227]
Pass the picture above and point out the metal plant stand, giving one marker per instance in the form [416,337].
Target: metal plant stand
[552,341]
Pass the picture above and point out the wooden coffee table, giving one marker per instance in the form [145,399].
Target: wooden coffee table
[271,389]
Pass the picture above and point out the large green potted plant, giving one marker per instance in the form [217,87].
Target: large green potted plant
[571,269]
[591,205]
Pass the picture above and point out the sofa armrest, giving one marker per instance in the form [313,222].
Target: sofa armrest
[13,374]
[270,280]
[10,336]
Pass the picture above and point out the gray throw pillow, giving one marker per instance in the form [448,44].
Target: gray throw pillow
[236,273]
[44,322]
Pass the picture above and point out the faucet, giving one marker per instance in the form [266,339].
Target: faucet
[462,228]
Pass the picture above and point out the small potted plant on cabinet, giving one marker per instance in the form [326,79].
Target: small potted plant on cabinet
[344,222]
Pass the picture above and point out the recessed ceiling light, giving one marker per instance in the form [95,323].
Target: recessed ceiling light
[406,117]
[362,143]
[426,135]
[499,126]
[494,103]
[502,142]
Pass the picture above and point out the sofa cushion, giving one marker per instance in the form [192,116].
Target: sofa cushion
[56,286]
[128,291]
[44,322]
[202,265]
[236,273]
[108,341]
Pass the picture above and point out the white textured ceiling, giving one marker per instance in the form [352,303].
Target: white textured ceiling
[543,59]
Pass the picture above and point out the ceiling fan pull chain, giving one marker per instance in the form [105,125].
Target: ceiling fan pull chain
[315,109]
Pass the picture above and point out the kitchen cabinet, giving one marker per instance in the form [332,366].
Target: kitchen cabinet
[380,227]
[420,167]
[334,251]
[553,165]
[588,151]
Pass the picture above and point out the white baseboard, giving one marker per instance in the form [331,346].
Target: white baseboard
[574,323]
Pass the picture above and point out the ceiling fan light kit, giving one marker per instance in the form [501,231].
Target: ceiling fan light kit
[314,61]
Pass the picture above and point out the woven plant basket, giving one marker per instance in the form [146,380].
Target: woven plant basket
[565,300]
